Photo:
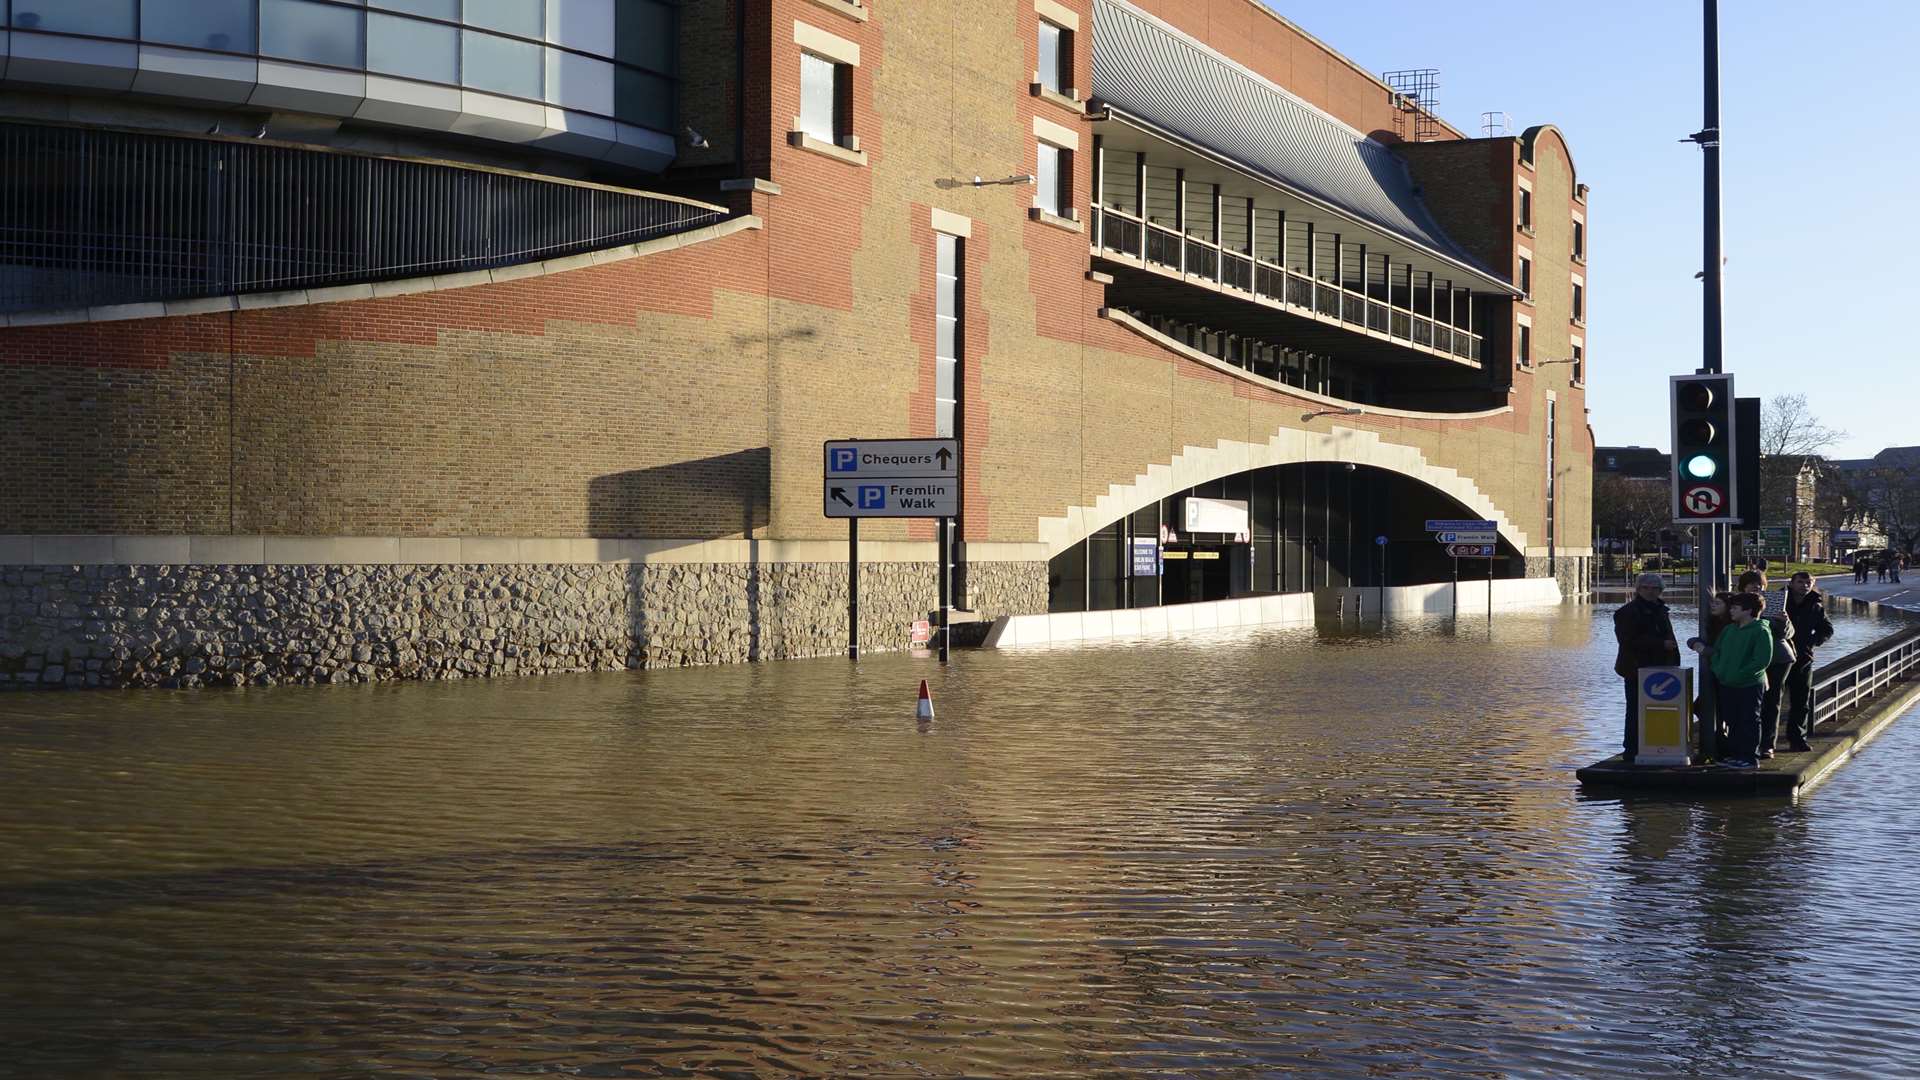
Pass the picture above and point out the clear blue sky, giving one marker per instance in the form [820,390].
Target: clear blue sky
[1819,167]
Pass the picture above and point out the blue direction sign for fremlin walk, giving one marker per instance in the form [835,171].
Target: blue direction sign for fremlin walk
[1661,686]
[891,478]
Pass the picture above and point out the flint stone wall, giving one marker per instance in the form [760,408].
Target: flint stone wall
[187,626]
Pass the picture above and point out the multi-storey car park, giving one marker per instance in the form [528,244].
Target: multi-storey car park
[353,340]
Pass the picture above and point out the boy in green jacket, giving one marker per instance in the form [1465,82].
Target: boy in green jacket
[1739,660]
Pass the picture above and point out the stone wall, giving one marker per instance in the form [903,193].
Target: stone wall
[186,626]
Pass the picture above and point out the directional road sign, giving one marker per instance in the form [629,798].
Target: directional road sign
[1468,536]
[910,478]
[1472,551]
[1458,524]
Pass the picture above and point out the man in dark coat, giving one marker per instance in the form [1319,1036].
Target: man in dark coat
[1811,629]
[1644,630]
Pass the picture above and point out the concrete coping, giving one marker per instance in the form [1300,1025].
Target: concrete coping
[373,290]
[130,550]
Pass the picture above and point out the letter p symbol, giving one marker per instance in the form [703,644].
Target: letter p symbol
[843,460]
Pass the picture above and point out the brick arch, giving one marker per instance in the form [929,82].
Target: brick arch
[1287,446]
[1529,142]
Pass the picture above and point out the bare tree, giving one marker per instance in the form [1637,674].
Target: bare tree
[1630,508]
[1893,498]
[1789,434]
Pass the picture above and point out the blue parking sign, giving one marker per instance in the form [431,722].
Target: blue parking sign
[844,459]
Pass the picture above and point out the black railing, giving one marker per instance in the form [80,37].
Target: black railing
[1236,272]
[1202,260]
[92,218]
[1163,247]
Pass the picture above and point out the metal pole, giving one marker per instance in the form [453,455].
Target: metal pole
[944,596]
[1713,553]
[1490,595]
[1456,590]
[853,588]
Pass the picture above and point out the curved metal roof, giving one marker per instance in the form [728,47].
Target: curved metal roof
[1149,70]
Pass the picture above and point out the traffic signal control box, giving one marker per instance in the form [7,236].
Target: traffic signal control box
[1705,464]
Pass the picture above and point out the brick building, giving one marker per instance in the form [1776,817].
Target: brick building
[348,341]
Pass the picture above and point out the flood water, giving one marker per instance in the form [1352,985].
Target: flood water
[1338,853]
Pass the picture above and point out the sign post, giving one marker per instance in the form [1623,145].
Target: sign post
[1466,538]
[890,478]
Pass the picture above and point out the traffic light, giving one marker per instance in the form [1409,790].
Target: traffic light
[1705,484]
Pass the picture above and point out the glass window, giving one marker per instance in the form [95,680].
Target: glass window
[644,35]
[500,65]
[643,98]
[1046,193]
[1579,239]
[106,18]
[1526,276]
[1526,209]
[225,25]
[580,82]
[413,49]
[1051,40]
[1579,302]
[1524,351]
[587,25]
[1580,374]
[526,18]
[320,33]
[946,350]
[818,79]
[432,9]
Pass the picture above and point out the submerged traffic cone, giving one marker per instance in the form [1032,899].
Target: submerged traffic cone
[924,710]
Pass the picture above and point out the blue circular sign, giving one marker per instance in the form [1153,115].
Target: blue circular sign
[1381,540]
[1661,686]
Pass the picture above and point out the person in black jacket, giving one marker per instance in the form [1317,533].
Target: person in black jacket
[1811,629]
[1644,630]
[1755,583]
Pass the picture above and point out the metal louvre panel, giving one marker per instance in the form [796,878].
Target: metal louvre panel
[1148,70]
[94,217]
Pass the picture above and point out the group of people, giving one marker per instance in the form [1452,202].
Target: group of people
[1754,658]
[1889,564]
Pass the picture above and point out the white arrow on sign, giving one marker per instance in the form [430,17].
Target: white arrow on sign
[858,459]
[898,497]
[1475,536]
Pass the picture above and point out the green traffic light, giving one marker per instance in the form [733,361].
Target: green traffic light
[1702,467]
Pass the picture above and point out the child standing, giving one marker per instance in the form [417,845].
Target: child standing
[1739,660]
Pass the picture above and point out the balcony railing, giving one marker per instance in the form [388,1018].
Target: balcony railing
[1118,232]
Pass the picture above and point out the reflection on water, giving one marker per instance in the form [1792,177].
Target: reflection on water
[1327,851]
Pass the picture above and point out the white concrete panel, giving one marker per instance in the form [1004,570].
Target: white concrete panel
[69,61]
[1096,625]
[227,550]
[1226,612]
[489,116]
[331,550]
[72,550]
[1205,616]
[197,75]
[1179,618]
[1126,623]
[152,550]
[489,549]
[16,550]
[429,550]
[642,148]
[409,104]
[1065,627]
[300,88]
[578,134]
[1153,622]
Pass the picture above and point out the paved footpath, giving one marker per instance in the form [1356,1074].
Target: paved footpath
[1905,596]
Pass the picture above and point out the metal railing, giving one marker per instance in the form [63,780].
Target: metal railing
[92,218]
[1118,232]
[1854,679]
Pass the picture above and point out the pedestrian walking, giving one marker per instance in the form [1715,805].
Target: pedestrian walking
[1739,659]
[1644,629]
[1807,611]
[1881,565]
[1899,564]
[1780,628]
[1859,568]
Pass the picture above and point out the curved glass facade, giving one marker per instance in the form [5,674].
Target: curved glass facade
[600,74]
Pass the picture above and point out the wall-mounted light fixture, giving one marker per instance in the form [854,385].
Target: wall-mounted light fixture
[1304,417]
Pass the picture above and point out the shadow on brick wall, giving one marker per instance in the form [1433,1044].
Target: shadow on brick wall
[690,613]
[705,498]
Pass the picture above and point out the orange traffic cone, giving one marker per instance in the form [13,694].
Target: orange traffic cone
[924,710]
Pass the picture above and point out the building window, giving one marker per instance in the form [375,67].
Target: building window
[824,100]
[318,33]
[526,18]
[1580,240]
[1553,424]
[1523,351]
[1053,190]
[221,25]
[1579,302]
[1056,53]
[947,342]
[1579,364]
[1526,277]
[1526,209]
[105,18]
[413,49]
[501,65]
